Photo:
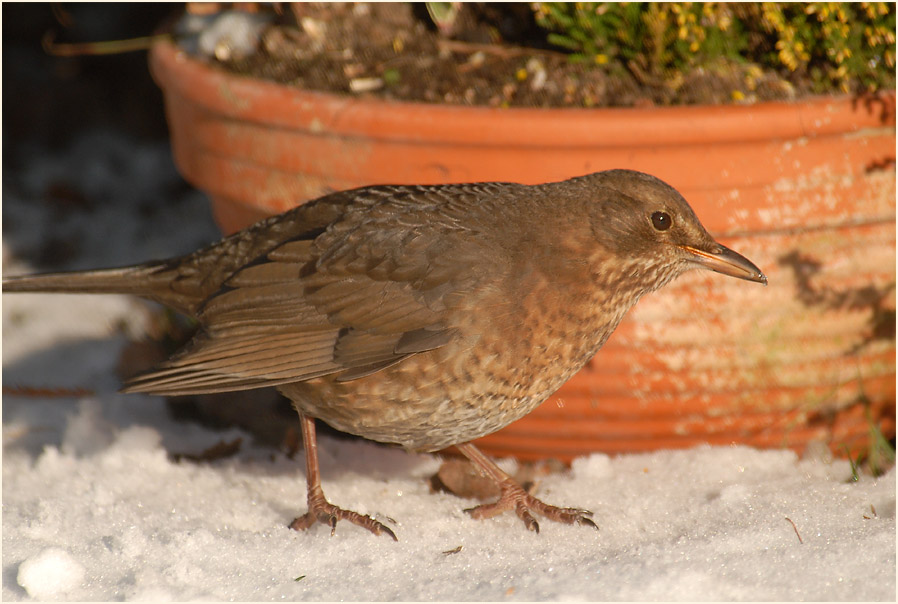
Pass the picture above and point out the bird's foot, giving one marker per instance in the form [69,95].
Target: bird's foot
[514,497]
[321,510]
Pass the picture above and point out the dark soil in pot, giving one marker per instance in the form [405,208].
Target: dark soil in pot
[496,56]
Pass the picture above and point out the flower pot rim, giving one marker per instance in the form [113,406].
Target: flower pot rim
[251,99]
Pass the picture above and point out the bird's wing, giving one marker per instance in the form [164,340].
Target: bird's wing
[373,288]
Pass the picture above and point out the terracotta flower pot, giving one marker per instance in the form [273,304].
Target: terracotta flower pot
[806,190]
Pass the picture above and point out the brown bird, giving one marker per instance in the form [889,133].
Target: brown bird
[425,316]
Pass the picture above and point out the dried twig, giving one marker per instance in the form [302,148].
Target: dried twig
[62,16]
[220,450]
[110,47]
[495,49]
[795,528]
[33,392]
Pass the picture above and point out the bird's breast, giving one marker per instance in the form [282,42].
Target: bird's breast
[515,346]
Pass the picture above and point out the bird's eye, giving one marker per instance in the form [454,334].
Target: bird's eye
[661,221]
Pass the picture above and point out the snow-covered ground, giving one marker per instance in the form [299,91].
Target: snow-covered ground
[94,508]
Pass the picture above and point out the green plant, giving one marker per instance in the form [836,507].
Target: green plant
[837,43]
[841,46]
[657,37]
[880,456]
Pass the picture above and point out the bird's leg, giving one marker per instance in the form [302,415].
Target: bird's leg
[320,509]
[514,497]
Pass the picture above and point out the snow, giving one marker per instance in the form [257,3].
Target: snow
[95,507]
[51,573]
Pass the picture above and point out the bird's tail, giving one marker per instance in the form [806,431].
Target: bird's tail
[124,280]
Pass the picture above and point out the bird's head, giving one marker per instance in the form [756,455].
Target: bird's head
[646,224]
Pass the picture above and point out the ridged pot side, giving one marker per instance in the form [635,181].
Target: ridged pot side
[806,190]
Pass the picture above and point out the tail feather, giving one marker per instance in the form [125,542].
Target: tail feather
[154,281]
[125,280]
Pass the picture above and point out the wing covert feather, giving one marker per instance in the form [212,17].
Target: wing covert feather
[371,288]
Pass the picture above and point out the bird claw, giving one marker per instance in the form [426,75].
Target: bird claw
[523,503]
[326,513]
[529,521]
